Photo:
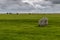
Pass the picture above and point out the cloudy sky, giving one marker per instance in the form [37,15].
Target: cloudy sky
[29,6]
[56,1]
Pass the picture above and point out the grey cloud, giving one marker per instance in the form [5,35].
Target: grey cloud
[13,4]
[55,1]
[17,5]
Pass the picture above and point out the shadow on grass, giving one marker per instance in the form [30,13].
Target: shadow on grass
[18,20]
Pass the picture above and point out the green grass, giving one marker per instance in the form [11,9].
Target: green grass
[24,27]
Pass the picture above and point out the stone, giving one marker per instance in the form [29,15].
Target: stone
[43,21]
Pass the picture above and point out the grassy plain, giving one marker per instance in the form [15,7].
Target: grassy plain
[24,27]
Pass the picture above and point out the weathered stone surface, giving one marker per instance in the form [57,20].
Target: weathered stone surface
[43,21]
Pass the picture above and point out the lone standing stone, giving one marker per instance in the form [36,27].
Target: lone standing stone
[43,22]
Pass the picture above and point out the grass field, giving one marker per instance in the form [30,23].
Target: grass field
[24,27]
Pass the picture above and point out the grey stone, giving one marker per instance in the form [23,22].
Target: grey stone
[43,21]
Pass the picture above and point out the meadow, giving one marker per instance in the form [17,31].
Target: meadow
[25,27]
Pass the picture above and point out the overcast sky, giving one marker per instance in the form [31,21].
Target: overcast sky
[17,5]
[56,1]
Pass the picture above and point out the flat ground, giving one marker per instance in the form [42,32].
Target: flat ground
[25,27]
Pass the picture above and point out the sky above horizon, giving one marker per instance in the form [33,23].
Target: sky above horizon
[29,6]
